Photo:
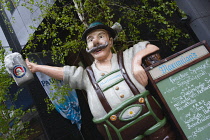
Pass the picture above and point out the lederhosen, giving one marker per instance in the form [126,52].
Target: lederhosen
[135,118]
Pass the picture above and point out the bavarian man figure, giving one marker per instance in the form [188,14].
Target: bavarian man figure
[115,84]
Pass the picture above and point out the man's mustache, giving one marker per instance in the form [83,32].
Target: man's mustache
[102,46]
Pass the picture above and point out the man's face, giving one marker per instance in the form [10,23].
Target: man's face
[96,38]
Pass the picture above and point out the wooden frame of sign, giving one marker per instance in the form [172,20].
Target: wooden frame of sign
[182,82]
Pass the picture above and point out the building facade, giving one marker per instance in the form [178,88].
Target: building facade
[198,17]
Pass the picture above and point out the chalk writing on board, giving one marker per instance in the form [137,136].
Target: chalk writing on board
[184,79]
[187,93]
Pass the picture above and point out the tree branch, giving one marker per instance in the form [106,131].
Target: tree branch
[78,6]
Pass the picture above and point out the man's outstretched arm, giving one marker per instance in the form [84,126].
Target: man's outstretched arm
[54,72]
[138,71]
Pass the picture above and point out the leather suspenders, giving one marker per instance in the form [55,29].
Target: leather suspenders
[98,90]
[124,73]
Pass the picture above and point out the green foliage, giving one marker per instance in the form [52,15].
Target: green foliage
[156,16]
[61,30]
[11,125]
[5,80]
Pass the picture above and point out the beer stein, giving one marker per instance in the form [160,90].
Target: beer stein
[16,66]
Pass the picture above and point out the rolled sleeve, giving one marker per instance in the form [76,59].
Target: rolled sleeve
[74,76]
[66,72]
[139,46]
[128,58]
[131,52]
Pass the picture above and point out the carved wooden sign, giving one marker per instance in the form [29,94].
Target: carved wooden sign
[182,82]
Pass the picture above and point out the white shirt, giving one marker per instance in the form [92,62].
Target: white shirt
[77,78]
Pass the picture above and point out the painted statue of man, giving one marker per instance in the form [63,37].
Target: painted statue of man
[127,116]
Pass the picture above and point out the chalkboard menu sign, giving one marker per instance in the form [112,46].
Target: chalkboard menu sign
[182,82]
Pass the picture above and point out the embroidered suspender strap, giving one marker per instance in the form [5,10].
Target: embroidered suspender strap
[125,75]
[98,90]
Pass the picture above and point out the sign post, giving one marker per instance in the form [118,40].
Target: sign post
[182,82]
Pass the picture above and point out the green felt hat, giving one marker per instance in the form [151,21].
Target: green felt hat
[98,25]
